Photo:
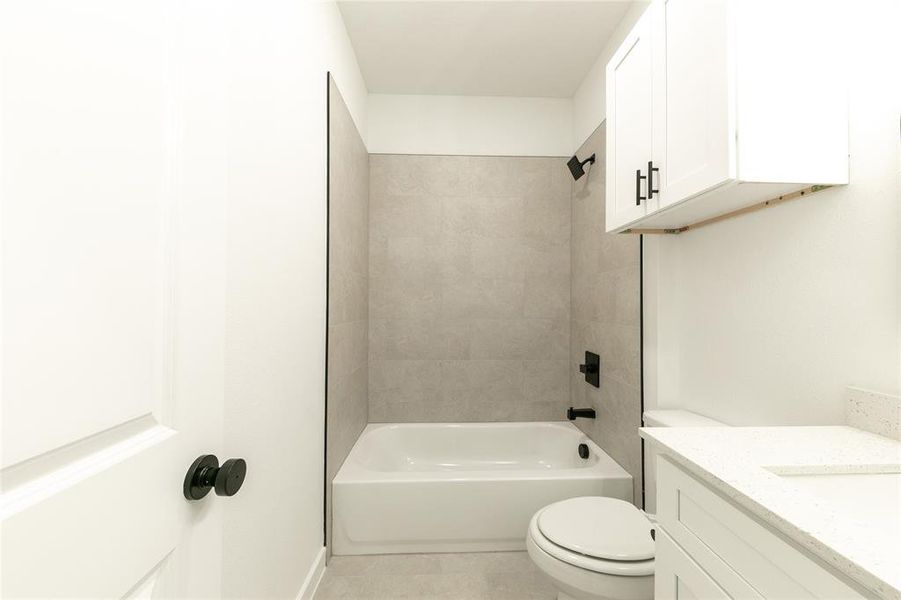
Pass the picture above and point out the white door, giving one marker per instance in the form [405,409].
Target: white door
[113,263]
[694,132]
[629,126]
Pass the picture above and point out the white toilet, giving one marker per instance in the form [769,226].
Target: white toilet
[594,548]
[598,548]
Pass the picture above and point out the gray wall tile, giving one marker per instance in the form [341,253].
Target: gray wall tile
[520,338]
[399,216]
[605,319]
[469,288]
[348,324]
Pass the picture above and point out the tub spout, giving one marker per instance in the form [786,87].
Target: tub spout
[573,413]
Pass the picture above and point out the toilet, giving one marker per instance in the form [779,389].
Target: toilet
[594,548]
[599,548]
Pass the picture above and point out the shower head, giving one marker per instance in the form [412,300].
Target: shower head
[576,167]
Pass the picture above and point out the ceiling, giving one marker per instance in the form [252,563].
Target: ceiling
[479,48]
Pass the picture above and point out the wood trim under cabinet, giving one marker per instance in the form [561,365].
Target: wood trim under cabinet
[735,213]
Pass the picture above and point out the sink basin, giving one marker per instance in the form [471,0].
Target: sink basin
[871,500]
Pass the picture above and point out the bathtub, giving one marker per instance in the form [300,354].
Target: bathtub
[447,487]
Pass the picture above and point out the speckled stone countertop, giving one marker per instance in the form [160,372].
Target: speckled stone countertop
[745,464]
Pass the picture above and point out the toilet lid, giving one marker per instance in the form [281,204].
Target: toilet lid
[605,528]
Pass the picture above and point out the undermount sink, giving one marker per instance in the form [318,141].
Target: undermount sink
[870,499]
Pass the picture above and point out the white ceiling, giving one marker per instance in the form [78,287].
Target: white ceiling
[479,48]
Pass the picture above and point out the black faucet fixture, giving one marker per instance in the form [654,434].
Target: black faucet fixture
[574,413]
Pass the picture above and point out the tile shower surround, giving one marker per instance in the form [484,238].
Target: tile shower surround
[469,288]
[605,319]
[348,316]
[488,279]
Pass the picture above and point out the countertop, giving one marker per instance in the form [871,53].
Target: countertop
[746,463]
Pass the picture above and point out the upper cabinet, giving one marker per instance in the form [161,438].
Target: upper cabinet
[716,105]
[629,129]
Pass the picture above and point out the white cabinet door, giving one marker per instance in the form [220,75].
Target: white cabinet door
[113,262]
[678,577]
[694,120]
[629,126]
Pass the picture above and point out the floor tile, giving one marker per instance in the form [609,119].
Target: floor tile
[465,576]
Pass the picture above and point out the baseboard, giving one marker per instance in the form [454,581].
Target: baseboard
[314,576]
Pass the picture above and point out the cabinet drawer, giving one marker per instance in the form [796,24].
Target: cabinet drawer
[713,530]
[678,576]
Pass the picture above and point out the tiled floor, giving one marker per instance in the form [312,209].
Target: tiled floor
[477,576]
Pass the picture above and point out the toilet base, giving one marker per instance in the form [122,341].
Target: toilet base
[574,583]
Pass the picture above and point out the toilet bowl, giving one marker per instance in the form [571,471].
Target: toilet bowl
[594,548]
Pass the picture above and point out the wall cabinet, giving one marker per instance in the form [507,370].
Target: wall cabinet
[629,130]
[713,105]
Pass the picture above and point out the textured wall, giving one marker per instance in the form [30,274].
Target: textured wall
[605,319]
[469,299]
[348,301]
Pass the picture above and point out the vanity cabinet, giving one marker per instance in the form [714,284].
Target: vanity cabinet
[708,547]
[678,576]
[714,105]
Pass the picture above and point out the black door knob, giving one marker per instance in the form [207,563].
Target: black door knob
[206,474]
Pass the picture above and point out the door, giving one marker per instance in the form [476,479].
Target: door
[113,258]
[629,126]
[694,117]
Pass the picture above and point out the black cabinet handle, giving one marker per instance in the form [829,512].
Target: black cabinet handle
[205,474]
[638,196]
[651,170]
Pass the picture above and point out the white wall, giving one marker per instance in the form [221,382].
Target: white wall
[491,125]
[469,125]
[279,53]
[764,319]
[589,101]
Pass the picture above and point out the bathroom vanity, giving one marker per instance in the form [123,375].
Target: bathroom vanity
[777,512]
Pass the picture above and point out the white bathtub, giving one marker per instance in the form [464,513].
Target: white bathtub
[447,487]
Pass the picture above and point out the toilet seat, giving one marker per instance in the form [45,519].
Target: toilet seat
[604,535]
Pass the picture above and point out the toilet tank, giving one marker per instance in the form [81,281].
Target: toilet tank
[666,418]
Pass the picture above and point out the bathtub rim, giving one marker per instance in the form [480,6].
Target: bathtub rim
[353,472]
